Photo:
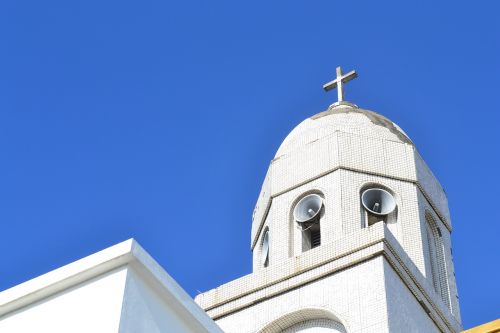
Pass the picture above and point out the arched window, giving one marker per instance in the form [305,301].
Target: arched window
[307,215]
[437,259]
[264,248]
[432,256]
[378,205]
[313,320]
[322,325]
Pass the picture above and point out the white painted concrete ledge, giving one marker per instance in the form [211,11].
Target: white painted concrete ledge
[127,253]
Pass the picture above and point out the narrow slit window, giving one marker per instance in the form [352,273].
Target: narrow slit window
[264,250]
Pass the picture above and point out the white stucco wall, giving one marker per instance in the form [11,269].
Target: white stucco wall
[147,308]
[94,306]
[120,289]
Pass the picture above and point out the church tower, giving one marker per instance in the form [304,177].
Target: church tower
[350,233]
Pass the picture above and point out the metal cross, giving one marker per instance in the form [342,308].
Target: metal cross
[339,81]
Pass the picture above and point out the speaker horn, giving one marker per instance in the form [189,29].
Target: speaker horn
[307,208]
[378,201]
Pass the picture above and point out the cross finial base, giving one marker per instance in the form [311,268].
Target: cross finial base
[343,104]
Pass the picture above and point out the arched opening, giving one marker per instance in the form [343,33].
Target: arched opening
[307,213]
[314,320]
[321,325]
[264,248]
[437,259]
[378,204]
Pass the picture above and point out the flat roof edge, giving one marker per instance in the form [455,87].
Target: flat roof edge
[66,276]
[127,253]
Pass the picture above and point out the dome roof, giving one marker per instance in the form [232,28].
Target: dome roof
[343,118]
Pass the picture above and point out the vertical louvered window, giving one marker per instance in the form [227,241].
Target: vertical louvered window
[311,236]
[315,237]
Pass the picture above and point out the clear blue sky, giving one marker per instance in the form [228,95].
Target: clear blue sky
[157,120]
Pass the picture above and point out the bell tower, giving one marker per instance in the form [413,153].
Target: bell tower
[350,233]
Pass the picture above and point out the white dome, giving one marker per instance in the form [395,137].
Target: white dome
[343,119]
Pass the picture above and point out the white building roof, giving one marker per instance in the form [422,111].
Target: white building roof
[123,281]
